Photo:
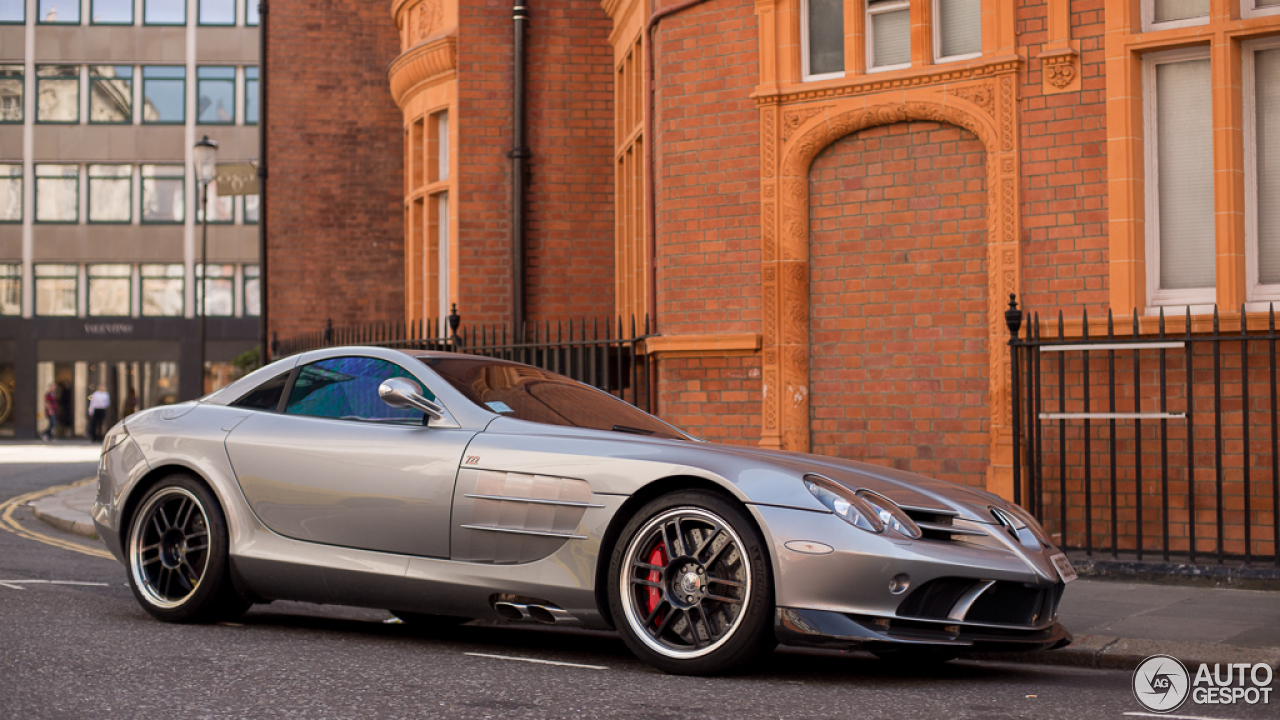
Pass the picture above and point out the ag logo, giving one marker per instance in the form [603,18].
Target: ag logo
[1161,683]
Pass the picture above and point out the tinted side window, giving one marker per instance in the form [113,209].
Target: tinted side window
[347,389]
[267,395]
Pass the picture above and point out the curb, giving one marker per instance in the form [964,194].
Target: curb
[53,512]
[1104,652]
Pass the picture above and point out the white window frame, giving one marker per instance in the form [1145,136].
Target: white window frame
[1250,9]
[937,39]
[1149,23]
[1255,291]
[870,34]
[1198,299]
[805,75]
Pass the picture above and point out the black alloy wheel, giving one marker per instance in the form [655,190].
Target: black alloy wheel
[690,585]
[177,554]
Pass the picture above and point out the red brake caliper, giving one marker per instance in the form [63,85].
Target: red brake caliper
[657,557]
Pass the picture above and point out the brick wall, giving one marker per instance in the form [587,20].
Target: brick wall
[898,300]
[1064,171]
[335,219]
[569,238]
[569,132]
[708,170]
[484,138]
[715,398]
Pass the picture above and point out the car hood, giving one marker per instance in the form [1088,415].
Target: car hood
[769,477]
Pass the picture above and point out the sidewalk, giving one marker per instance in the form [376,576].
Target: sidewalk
[1116,624]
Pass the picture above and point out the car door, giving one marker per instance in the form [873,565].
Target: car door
[336,465]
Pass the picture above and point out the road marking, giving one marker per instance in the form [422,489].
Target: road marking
[17,584]
[7,521]
[540,662]
[1174,716]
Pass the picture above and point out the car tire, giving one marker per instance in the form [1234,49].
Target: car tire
[176,554]
[690,585]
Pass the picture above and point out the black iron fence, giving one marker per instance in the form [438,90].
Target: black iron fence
[1151,441]
[609,355]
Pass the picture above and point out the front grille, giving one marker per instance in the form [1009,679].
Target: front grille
[1011,603]
[934,599]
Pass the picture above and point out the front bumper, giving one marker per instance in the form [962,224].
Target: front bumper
[822,628]
[977,593]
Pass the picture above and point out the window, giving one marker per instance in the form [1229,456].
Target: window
[56,288]
[216,95]
[442,146]
[110,288]
[251,209]
[218,282]
[11,89]
[250,12]
[58,11]
[221,209]
[251,95]
[110,94]
[888,35]
[57,93]
[217,12]
[267,395]
[1254,8]
[164,12]
[252,291]
[13,11]
[163,194]
[347,389]
[1179,151]
[10,193]
[1164,14]
[1262,169]
[957,29]
[822,32]
[162,288]
[10,289]
[111,12]
[110,193]
[164,90]
[57,193]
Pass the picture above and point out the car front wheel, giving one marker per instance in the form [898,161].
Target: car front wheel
[690,585]
[177,554]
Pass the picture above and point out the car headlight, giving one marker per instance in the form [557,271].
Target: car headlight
[893,517]
[114,437]
[851,508]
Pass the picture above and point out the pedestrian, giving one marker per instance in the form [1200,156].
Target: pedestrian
[51,411]
[130,402]
[64,411]
[99,401]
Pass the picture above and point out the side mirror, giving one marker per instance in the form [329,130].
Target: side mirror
[404,393]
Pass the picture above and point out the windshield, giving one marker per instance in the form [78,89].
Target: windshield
[527,393]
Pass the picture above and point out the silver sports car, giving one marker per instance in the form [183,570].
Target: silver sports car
[446,487]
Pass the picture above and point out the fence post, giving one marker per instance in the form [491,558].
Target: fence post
[1013,320]
[454,321]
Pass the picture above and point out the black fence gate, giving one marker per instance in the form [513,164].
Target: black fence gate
[1154,440]
[607,355]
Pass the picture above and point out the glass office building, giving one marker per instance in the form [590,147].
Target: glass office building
[101,278]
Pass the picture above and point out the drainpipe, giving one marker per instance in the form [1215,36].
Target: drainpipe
[264,350]
[650,142]
[519,153]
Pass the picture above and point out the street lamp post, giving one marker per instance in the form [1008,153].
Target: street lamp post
[206,151]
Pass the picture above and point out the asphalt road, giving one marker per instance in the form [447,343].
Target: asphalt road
[89,651]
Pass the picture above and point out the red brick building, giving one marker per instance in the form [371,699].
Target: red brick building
[823,205]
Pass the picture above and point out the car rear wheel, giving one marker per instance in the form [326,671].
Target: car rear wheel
[690,585]
[177,554]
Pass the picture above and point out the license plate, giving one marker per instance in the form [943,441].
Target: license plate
[1063,565]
